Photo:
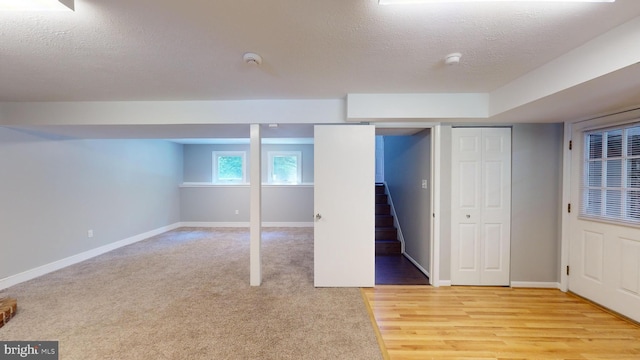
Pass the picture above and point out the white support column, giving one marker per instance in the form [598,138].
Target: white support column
[255,226]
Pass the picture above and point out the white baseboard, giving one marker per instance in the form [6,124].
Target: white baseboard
[423,270]
[517,284]
[74,259]
[288,224]
[535,284]
[242,224]
[214,224]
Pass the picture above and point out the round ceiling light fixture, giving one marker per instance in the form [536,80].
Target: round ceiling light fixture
[252,58]
[452,58]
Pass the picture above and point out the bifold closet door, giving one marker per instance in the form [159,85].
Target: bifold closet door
[481,206]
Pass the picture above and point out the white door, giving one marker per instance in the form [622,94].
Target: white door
[481,206]
[344,198]
[604,257]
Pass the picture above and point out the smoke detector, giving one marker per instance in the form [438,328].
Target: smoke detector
[252,58]
[452,58]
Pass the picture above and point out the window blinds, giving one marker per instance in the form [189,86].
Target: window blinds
[611,184]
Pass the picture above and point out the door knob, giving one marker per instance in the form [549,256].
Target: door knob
[318,216]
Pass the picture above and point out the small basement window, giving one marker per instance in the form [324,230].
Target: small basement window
[229,167]
[285,167]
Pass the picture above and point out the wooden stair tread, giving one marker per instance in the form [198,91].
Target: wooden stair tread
[389,233]
[383,209]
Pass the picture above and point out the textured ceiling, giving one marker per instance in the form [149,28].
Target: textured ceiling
[192,50]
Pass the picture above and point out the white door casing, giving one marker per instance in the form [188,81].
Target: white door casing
[481,206]
[604,257]
[379,159]
[344,193]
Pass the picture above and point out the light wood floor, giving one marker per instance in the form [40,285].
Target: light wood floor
[422,322]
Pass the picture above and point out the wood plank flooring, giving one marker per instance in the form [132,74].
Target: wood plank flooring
[398,270]
[422,322]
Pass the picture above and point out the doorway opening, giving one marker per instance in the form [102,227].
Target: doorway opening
[403,230]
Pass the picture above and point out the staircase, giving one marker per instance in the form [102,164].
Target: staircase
[386,233]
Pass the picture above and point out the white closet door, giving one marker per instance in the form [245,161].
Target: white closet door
[481,206]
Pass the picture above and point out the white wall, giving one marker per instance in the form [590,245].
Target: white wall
[55,189]
[407,161]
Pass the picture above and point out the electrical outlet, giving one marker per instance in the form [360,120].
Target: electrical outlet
[89,233]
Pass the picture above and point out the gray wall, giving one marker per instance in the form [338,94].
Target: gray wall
[407,161]
[280,203]
[198,161]
[445,203]
[535,202]
[215,204]
[55,189]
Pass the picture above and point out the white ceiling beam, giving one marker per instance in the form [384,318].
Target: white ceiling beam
[173,112]
[36,5]
[609,52]
[375,107]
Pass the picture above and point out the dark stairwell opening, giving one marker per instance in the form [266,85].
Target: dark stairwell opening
[392,268]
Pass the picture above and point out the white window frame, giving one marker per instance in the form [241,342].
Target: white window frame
[623,218]
[272,154]
[218,154]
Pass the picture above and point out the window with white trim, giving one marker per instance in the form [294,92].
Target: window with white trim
[611,185]
[229,167]
[285,167]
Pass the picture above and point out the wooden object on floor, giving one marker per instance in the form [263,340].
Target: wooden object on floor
[8,308]
[422,322]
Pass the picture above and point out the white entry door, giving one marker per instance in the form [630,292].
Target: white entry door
[605,253]
[481,206]
[344,198]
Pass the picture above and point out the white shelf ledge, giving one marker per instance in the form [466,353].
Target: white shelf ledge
[243,185]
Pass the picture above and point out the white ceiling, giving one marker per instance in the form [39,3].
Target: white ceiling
[161,50]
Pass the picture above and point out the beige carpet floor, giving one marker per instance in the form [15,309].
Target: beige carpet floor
[185,294]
